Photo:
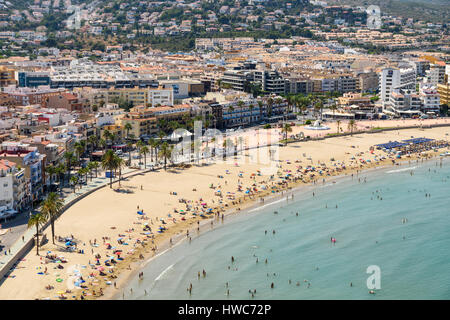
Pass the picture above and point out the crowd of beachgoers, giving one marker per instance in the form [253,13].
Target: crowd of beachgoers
[106,237]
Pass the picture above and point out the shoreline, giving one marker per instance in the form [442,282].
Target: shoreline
[114,294]
[155,198]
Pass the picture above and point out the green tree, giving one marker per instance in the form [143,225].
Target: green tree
[109,162]
[50,209]
[36,220]
[165,152]
[286,129]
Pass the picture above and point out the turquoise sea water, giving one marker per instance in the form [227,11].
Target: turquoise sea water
[413,254]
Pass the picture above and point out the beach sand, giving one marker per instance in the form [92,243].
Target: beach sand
[93,217]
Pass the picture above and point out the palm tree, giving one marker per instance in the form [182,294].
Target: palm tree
[95,166]
[278,101]
[129,147]
[73,181]
[90,168]
[269,109]
[144,150]
[102,143]
[318,106]
[260,105]
[69,156]
[120,163]
[290,102]
[79,149]
[333,108]
[60,170]
[338,125]
[36,220]
[152,144]
[128,127]
[227,144]
[286,128]
[165,152]
[51,171]
[108,136]
[51,208]
[351,126]
[109,162]
[93,142]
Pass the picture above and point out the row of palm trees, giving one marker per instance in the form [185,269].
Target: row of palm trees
[50,209]
[351,126]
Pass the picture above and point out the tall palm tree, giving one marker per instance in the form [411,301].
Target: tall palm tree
[120,163]
[79,149]
[290,99]
[351,126]
[36,220]
[318,106]
[108,136]
[95,166]
[109,162]
[139,145]
[270,105]
[144,150]
[90,168]
[286,128]
[338,125]
[51,171]
[102,143]
[74,181]
[70,159]
[93,142]
[51,208]
[128,127]
[60,170]
[166,153]
[152,144]
[227,145]
[260,105]
[129,147]
[278,101]
[333,108]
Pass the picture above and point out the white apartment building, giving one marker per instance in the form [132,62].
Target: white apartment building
[161,96]
[13,186]
[430,99]
[403,102]
[396,78]
[432,76]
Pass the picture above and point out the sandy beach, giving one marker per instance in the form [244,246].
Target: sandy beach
[107,220]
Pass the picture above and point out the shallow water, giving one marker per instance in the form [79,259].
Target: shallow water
[413,256]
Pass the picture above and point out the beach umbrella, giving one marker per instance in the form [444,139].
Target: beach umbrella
[100,268]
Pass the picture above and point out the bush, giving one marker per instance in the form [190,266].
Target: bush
[308,122]
[267,126]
